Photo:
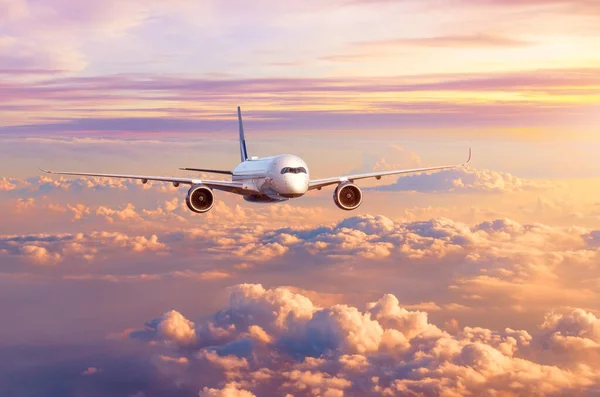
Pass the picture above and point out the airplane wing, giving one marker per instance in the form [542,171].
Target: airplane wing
[227,186]
[319,183]
[208,170]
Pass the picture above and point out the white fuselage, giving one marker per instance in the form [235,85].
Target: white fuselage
[275,178]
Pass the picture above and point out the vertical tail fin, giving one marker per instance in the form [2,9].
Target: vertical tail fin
[243,150]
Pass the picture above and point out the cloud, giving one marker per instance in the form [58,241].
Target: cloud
[464,180]
[491,260]
[189,87]
[7,184]
[79,211]
[487,260]
[126,214]
[319,384]
[39,255]
[90,371]
[384,350]
[575,335]
[372,237]
[593,238]
[210,275]
[52,35]
[213,275]
[142,244]
[44,249]
[48,184]
[497,265]
[527,7]
[230,390]
[171,327]
[570,6]
[415,110]
[460,41]
[24,205]
[225,214]
[37,194]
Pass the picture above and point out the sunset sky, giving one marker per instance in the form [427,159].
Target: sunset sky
[465,282]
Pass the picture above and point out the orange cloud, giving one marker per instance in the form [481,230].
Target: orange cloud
[384,350]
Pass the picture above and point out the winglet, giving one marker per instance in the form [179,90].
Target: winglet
[469,159]
[43,170]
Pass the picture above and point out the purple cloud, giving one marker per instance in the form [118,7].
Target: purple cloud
[481,40]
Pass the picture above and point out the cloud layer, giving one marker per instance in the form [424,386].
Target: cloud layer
[464,180]
[275,341]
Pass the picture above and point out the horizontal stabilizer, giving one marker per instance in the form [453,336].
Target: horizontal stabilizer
[208,170]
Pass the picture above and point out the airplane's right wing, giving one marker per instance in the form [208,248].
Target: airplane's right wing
[208,170]
[319,183]
[228,186]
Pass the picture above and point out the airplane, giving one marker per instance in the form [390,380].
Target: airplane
[271,179]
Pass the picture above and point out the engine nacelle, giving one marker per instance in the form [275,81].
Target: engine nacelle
[200,199]
[347,196]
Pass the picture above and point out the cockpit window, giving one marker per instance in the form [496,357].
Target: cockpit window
[292,170]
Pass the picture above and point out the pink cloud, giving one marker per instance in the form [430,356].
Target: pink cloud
[39,255]
[126,214]
[7,184]
[466,180]
[92,91]
[44,249]
[90,371]
[480,40]
[383,350]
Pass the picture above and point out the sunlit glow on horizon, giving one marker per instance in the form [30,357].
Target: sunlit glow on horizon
[472,281]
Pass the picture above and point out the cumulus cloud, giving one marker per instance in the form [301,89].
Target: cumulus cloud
[284,213]
[480,262]
[7,184]
[39,255]
[276,342]
[366,237]
[230,390]
[464,180]
[593,238]
[501,242]
[46,184]
[22,204]
[43,194]
[135,243]
[224,215]
[46,249]
[575,335]
[171,327]
[79,211]
[499,264]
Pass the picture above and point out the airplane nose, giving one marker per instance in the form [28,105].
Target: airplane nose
[296,186]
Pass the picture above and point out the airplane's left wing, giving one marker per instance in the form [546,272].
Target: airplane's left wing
[228,186]
[319,183]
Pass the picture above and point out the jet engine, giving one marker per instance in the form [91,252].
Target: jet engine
[347,196]
[200,199]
